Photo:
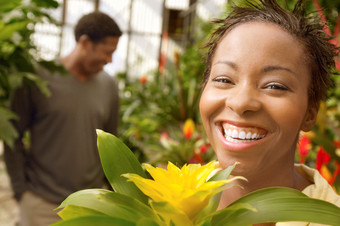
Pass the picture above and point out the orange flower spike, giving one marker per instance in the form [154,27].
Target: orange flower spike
[336,173]
[188,128]
[176,58]
[304,147]
[143,79]
[325,173]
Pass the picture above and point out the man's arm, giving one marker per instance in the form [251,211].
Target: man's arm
[112,124]
[15,158]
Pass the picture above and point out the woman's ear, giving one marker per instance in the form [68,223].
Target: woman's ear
[310,118]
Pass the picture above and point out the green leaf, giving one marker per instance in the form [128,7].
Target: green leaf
[46,3]
[146,222]
[118,159]
[95,220]
[7,132]
[8,30]
[214,201]
[278,205]
[15,80]
[72,211]
[170,213]
[224,174]
[9,5]
[110,203]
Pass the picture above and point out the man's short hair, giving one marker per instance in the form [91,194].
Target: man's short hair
[96,26]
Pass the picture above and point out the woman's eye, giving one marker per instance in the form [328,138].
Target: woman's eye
[276,86]
[222,80]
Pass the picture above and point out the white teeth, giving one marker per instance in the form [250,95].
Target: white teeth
[235,133]
[242,136]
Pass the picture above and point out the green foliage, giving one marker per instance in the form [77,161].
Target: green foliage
[17,20]
[267,203]
[160,103]
[111,164]
[101,207]
[326,133]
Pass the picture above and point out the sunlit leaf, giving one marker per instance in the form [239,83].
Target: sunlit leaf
[171,214]
[109,203]
[72,211]
[95,220]
[278,205]
[9,5]
[214,201]
[8,30]
[117,159]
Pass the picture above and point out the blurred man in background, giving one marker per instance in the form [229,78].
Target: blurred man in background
[62,156]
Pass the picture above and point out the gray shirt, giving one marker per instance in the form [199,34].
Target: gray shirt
[63,155]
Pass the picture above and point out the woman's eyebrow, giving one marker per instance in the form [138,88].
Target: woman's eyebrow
[278,68]
[227,62]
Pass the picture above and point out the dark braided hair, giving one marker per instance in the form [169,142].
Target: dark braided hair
[306,28]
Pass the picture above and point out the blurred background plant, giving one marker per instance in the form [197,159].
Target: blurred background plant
[157,107]
[18,54]
[320,148]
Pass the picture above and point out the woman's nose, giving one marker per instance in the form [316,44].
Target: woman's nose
[243,98]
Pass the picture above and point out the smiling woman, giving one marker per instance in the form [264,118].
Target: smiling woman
[266,71]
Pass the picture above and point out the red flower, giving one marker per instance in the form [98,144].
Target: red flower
[143,79]
[197,156]
[204,148]
[304,147]
[322,158]
[337,143]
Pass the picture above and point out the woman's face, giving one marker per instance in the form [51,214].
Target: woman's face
[256,99]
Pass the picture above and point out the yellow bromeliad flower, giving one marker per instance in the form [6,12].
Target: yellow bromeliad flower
[186,190]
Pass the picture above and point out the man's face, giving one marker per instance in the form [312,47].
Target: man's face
[99,54]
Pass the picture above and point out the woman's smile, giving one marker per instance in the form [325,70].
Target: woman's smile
[242,134]
[239,138]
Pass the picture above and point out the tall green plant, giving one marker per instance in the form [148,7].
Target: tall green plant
[17,21]
[129,206]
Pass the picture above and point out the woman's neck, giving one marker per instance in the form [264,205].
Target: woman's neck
[267,178]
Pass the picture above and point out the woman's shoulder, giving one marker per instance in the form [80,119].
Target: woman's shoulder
[320,188]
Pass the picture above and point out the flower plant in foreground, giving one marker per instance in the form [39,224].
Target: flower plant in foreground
[186,190]
[186,196]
